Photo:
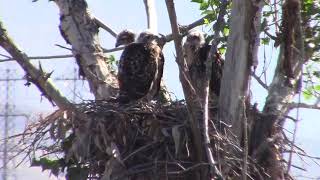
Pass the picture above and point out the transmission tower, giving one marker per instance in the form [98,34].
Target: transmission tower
[8,115]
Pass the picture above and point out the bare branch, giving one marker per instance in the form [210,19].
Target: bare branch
[36,76]
[205,101]
[168,38]
[190,95]
[59,56]
[259,80]
[151,15]
[184,29]
[303,105]
[105,27]
[188,89]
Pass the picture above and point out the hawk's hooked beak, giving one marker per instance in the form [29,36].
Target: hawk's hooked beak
[117,44]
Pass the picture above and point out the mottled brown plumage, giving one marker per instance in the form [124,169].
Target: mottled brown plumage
[196,52]
[140,69]
[125,37]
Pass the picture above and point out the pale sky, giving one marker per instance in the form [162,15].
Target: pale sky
[34,28]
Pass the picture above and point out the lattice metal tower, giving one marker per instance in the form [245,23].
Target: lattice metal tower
[7,126]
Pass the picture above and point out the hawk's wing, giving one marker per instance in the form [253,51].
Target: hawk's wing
[156,82]
[137,69]
[217,67]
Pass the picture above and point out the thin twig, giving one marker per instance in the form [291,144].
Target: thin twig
[259,81]
[245,139]
[151,15]
[168,38]
[105,27]
[303,105]
[205,104]
[59,56]
[37,76]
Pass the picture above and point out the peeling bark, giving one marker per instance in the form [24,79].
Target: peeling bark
[79,29]
[240,56]
[278,102]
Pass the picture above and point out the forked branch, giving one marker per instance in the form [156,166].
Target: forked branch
[192,103]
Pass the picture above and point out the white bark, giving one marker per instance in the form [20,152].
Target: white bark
[239,56]
[151,15]
[79,29]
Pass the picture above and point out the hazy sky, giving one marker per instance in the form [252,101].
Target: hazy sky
[34,28]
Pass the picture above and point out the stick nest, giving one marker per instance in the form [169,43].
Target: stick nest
[135,141]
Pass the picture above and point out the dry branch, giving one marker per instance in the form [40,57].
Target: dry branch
[184,29]
[151,15]
[105,27]
[192,99]
[303,105]
[59,56]
[36,76]
[205,104]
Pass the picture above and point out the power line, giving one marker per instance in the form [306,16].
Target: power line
[9,115]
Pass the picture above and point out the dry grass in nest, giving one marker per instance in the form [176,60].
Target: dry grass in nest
[134,141]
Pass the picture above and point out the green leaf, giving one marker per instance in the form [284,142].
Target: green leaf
[265,41]
[48,164]
[197,1]
[222,50]
[206,21]
[317,87]
[204,5]
[226,31]
[307,95]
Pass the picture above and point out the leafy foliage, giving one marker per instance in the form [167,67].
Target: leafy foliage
[311,25]
[210,9]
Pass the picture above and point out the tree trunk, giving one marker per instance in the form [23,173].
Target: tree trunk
[240,56]
[266,132]
[79,30]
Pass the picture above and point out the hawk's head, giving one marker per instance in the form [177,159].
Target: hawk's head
[195,39]
[125,37]
[148,37]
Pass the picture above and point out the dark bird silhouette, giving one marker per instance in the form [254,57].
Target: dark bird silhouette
[196,52]
[140,67]
[125,37]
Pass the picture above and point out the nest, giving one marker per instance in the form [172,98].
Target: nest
[135,141]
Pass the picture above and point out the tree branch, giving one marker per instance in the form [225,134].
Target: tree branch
[303,105]
[190,95]
[205,104]
[168,38]
[59,56]
[151,15]
[105,27]
[36,76]
[259,80]
[184,29]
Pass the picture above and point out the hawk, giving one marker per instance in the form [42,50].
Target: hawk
[140,67]
[196,52]
[125,37]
